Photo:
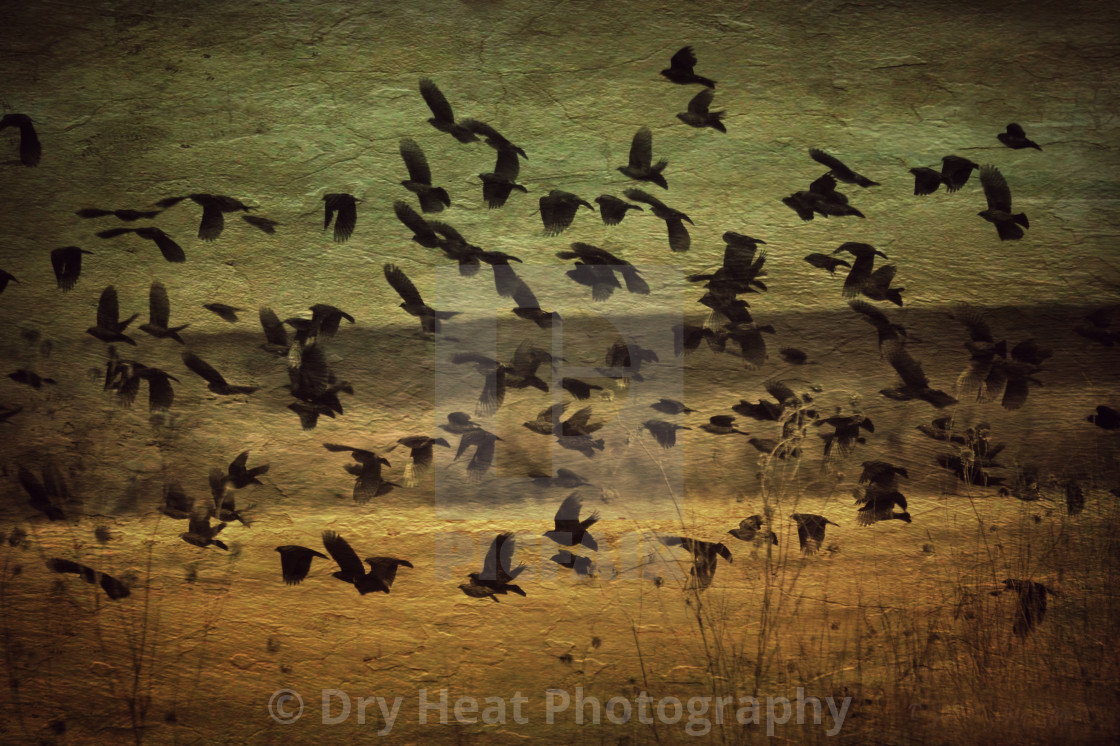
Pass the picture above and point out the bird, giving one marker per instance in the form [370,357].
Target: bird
[382,570]
[838,170]
[49,495]
[167,246]
[224,312]
[680,69]
[126,215]
[30,378]
[670,406]
[679,240]
[705,556]
[743,265]
[749,528]
[998,195]
[419,182]
[596,268]
[860,273]
[200,533]
[573,433]
[497,571]
[698,114]
[67,264]
[413,304]
[295,562]
[569,530]
[498,184]
[624,362]
[176,503]
[612,209]
[821,198]
[878,285]
[343,209]
[1097,327]
[826,262]
[483,443]
[886,331]
[1106,418]
[1015,138]
[845,432]
[641,166]
[1032,604]
[5,278]
[564,478]
[915,384]
[558,210]
[665,433]
[30,149]
[954,174]
[216,382]
[810,531]
[529,308]
[261,223]
[213,208]
[422,231]
[420,455]
[721,424]
[159,313]
[459,423]
[240,475]
[492,137]
[109,327]
[443,118]
[580,564]
[878,499]
[368,482]
[113,588]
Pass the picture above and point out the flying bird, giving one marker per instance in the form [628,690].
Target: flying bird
[564,478]
[821,198]
[167,246]
[750,528]
[1015,138]
[1106,418]
[558,210]
[826,262]
[215,381]
[1032,604]
[240,475]
[49,495]
[498,184]
[224,312]
[159,313]
[641,166]
[596,267]
[670,406]
[680,69]
[109,327]
[443,118]
[915,384]
[810,531]
[612,209]
[200,533]
[126,215]
[838,170]
[679,239]
[954,174]
[214,207]
[665,433]
[705,556]
[569,530]
[382,570]
[698,114]
[492,137]
[413,304]
[368,482]
[419,182]
[67,264]
[420,454]
[263,224]
[624,362]
[483,443]
[30,150]
[343,209]
[113,588]
[497,572]
[295,562]
[999,212]
[885,330]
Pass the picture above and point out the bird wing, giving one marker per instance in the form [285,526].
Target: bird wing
[273,328]
[523,296]
[874,316]
[171,251]
[684,60]
[342,553]
[641,149]
[159,307]
[108,312]
[996,190]
[508,165]
[825,185]
[639,195]
[908,369]
[404,287]
[978,329]
[567,514]
[412,219]
[833,163]
[700,102]
[557,213]
[200,367]
[436,101]
[415,161]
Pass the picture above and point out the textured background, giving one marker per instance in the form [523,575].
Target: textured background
[280,103]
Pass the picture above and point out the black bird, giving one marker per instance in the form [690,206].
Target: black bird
[497,571]
[224,312]
[500,183]
[665,433]
[459,423]
[581,565]
[999,212]
[564,478]
[167,246]
[1032,604]
[159,313]
[821,198]
[200,533]
[494,380]
[30,150]
[126,215]
[506,281]
[420,454]
[679,239]
[483,443]
[680,69]
[826,262]
[722,424]
[109,327]
[382,570]
[30,378]
[47,496]
[698,114]
[263,224]
[569,530]
[845,432]
[113,588]
[838,170]
[810,531]
[419,182]
[7,414]
[67,264]
[579,389]
[1106,418]
[612,209]
[624,361]
[741,269]
[886,331]
[879,497]
[915,384]
[573,433]
[343,209]
[860,274]
[749,529]
[454,246]
[240,475]
[5,278]
[422,232]
[529,308]
[295,562]
[670,406]
[641,166]
[1015,138]
[443,118]
[558,210]
[368,482]
[491,136]
[705,555]
[413,304]
[213,208]
[954,174]
[216,383]
[596,267]
[325,319]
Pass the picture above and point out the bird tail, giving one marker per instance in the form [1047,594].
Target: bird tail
[1021,219]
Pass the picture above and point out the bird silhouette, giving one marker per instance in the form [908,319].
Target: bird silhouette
[113,588]
[491,136]
[705,556]
[420,454]
[569,530]
[826,262]
[49,495]
[597,267]
[810,531]
[413,304]
[821,198]
[665,433]
[295,562]
[497,573]
[419,182]
[498,184]
[342,208]
[680,69]
[159,313]
[200,533]
[30,149]
[679,240]
[368,482]
[750,528]
[1032,604]
[564,478]
[382,570]
[887,331]
[223,311]
[558,210]
[954,174]
[67,264]
[240,475]
[915,384]
[483,443]
[214,207]
[443,118]
[167,246]
[670,406]
[126,215]
[641,166]
[1106,418]
[1015,138]
[999,212]
[698,114]
[612,209]
[838,170]
[109,327]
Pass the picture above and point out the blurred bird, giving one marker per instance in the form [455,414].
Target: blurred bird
[1032,604]
[1015,138]
[915,384]
[422,231]
[705,556]
[722,424]
[497,572]
[30,378]
[1097,326]
[680,69]
[641,166]
[698,114]
[670,406]
[500,183]
[167,246]
[240,475]
[810,531]
[30,150]
[420,455]
[624,362]
[679,239]
[200,533]
[665,433]
[343,209]
[492,137]
[581,565]
[749,529]
[126,215]
[216,382]
[483,443]
[5,278]
[821,198]
[263,224]
[368,482]
[48,496]
[413,304]
[113,588]
[213,208]
[954,174]
[419,182]
[223,311]
[999,212]
[159,313]
[596,268]
[845,433]
[564,478]
[838,170]
[887,332]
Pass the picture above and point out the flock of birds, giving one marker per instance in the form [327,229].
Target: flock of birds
[994,372]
